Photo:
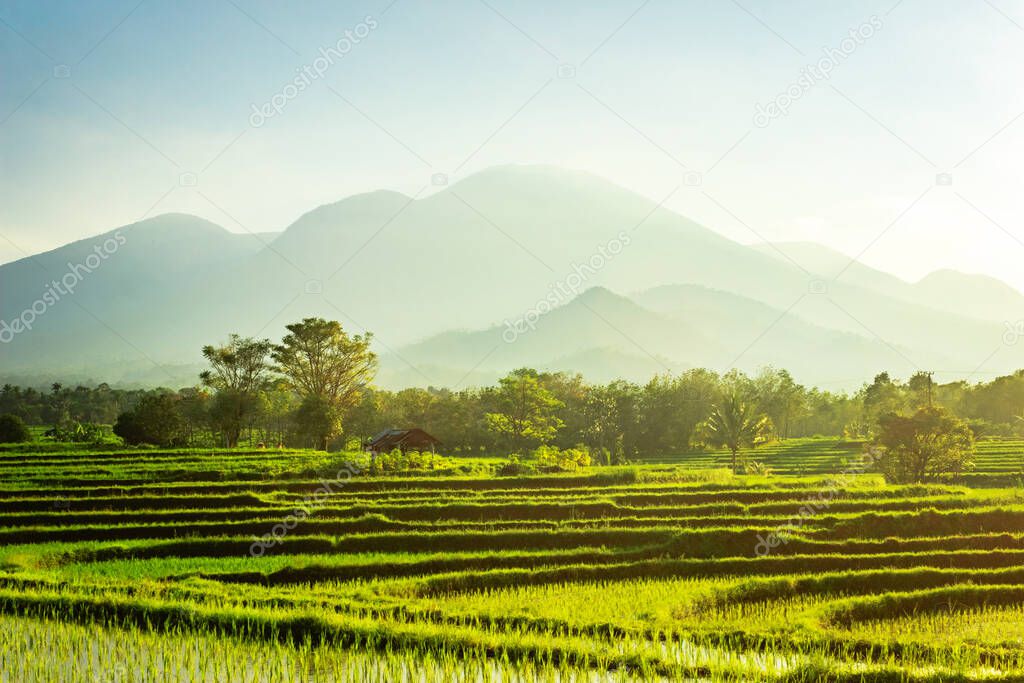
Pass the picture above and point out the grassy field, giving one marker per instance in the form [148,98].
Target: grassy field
[294,565]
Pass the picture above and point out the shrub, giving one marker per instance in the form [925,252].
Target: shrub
[551,459]
[924,446]
[155,420]
[515,468]
[13,429]
[79,432]
[757,467]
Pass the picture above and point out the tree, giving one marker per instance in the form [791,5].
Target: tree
[919,387]
[672,407]
[598,412]
[277,406]
[323,362]
[194,407]
[780,398]
[735,424]
[239,371]
[923,446]
[571,390]
[13,429]
[318,421]
[59,405]
[155,420]
[881,397]
[525,413]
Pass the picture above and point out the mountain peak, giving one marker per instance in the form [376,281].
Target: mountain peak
[542,180]
[600,295]
[949,276]
[354,208]
[173,222]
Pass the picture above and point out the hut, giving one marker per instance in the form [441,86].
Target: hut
[414,439]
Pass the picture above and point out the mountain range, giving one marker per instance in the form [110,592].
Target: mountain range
[512,266]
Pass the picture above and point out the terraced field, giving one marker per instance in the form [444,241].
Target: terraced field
[998,462]
[281,566]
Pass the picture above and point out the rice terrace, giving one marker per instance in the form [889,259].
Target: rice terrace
[643,572]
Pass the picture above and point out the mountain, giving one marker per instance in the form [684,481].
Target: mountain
[976,295]
[971,295]
[829,264]
[606,336]
[507,243]
[579,336]
[94,305]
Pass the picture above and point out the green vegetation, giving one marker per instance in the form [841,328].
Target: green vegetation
[927,445]
[735,424]
[616,422]
[13,429]
[285,561]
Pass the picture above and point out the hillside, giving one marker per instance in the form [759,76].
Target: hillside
[486,249]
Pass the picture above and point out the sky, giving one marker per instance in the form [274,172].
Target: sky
[906,154]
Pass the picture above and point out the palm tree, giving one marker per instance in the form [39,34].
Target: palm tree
[735,424]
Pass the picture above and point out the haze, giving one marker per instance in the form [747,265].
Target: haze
[107,108]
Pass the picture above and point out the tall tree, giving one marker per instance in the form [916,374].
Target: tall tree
[526,413]
[921,389]
[239,372]
[328,368]
[59,405]
[881,397]
[779,397]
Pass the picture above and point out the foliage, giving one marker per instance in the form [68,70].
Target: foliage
[155,420]
[923,446]
[13,429]
[514,467]
[631,421]
[735,424]
[756,467]
[551,459]
[316,421]
[79,432]
[239,372]
[328,368]
[525,411]
[408,461]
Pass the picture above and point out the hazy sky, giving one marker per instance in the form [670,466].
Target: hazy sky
[105,105]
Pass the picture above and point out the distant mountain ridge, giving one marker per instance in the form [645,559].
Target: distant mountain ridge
[968,294]
[436,277]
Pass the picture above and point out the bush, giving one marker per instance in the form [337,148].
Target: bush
[757,467]
[514,468]
[13,429]
[925,446]
[155,420]
[550,459]
[79,432]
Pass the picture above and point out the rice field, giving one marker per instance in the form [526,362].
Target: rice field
[152,565]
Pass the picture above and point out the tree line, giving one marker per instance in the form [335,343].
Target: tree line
[314,389]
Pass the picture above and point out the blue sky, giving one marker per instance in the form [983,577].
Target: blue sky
[105,105]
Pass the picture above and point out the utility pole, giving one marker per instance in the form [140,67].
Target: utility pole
[930,373]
